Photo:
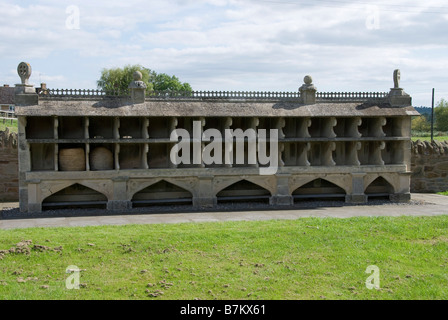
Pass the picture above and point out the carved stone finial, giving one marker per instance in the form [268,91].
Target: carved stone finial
[308,91]
[397,76]
[137,76]
[137,88]
[397,96]
[308,80]
[24,71]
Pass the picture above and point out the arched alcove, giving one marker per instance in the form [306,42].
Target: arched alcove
[380,188]
[75,196]
[243,191]
[319,189]
[162,193]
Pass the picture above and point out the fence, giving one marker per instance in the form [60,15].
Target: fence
[7,116]
[219,95]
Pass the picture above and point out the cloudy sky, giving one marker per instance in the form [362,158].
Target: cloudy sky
[345,45]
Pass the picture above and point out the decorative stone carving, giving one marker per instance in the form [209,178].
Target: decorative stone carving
[308,91]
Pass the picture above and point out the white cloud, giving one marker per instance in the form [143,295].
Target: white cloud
[234,44]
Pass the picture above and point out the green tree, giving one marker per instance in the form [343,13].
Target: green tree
[163,82]
[441,115]
[118,79]
[420,123]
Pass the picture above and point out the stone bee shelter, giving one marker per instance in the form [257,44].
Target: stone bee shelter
[93,149]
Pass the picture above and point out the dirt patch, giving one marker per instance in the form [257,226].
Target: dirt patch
[433,241]
[26,246]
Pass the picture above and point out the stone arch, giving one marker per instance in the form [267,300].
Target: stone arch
[137,186]
[224,182]
[339,181]
[368,179]
[243,190]
[50,188]
[379,187]
[160,193]
[76,195]
[319,188]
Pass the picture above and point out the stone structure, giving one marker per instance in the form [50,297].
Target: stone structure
[6,98]
[429,162]
[9,167]
[350,146]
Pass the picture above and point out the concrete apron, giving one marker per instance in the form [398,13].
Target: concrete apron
[433,205]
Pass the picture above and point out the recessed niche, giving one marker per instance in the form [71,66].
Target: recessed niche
[159,127]
[71,127]
[39,128]
[131,128]
[101,127]
[42,157]
[132,156]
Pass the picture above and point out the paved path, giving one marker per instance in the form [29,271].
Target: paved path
[433,205]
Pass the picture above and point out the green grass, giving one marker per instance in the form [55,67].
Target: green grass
[12,126]
[309,258]
[444,193]
[437,138]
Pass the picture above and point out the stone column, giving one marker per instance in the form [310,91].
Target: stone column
[24,163]
[403,193]
[282,197]
[357,195]
[205,196]
[34,196]
[119,199]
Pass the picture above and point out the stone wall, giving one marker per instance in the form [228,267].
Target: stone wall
[429,164]
[9,167]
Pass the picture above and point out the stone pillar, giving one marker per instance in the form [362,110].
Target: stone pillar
[403,193]
[24,163]
[397,96]
[205,196]
[25,93]
[357,195]
[34,197]
[137,88]
[282,197]
[308,91]
[119,199]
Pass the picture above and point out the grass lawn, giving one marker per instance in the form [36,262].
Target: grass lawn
[12,127]
[310,258]
[437,138]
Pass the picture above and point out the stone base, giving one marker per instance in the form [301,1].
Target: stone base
[34,207]
[26,99]
[356,198]
[281,200]
[397,98]
[116,205]
[204,202]
[400,197]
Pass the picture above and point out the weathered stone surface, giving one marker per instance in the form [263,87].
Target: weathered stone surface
[192,108]
[429,164]
[9,167]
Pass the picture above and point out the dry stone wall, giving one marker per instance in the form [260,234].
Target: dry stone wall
[9,167]
[429,165]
